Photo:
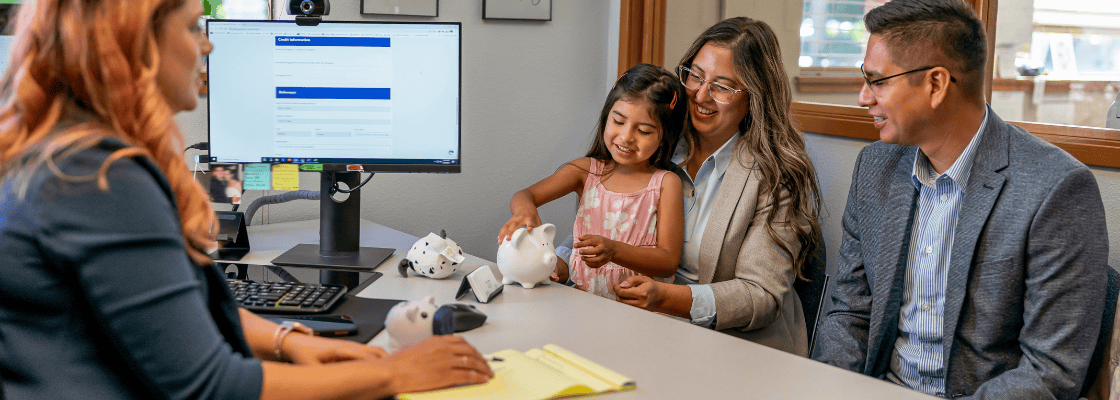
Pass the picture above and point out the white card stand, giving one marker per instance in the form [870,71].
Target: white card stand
[482,282]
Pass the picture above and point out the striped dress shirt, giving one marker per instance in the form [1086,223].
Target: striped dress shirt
[917,360]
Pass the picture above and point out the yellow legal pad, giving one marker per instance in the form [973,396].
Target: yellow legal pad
[547,373]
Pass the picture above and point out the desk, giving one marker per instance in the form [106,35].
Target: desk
[668,359]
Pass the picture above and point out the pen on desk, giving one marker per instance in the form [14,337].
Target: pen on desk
[490,358]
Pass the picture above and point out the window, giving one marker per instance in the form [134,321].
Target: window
[833,40]
[1065,103]
[832,33]
[1057,61]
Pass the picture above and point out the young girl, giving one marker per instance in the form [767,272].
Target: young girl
[631,214]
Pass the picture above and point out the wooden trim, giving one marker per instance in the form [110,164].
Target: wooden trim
[830,119]
[986,10]
[641,33]
[1027,85]
[852,84]
[829,71]
[827,84]
[1092,146]
[626,47]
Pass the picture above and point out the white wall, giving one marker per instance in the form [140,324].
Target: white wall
[685,20]
[834,158]
[532,91]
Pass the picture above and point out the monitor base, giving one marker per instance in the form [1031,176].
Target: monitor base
[307,255]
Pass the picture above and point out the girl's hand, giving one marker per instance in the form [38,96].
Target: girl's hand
[438,362]
[314,350]
[641,292]
[596,250]
[527,219]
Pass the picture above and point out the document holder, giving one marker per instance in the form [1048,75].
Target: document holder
[233,238]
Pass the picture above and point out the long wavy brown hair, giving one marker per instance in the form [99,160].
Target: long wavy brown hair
[768,131]
[99,58]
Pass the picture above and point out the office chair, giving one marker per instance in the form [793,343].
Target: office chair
[811,289]
[1097,377]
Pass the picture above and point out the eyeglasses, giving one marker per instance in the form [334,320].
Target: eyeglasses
[872,84]
[719,92]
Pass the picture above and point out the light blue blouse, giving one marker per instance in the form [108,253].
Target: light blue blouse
[699,197]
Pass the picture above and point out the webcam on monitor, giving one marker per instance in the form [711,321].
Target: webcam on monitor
[309,12]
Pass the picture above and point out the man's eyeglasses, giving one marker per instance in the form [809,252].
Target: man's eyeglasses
[719,92]
[872,84]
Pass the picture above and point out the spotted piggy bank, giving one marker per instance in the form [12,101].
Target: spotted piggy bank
[528,258]
[433,256]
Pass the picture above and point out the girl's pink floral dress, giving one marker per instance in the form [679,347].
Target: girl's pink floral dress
[630,218]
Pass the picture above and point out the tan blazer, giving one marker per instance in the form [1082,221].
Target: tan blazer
[751,276]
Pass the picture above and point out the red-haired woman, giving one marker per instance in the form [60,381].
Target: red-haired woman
[106,290]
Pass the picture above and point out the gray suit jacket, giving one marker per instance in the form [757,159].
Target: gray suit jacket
[751,277]
[1026,275]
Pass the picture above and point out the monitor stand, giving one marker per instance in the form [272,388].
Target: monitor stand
[339,231]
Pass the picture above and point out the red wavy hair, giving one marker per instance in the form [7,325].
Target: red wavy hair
[98,57]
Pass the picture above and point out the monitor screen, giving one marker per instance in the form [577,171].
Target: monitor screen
[5,51]
[384,95]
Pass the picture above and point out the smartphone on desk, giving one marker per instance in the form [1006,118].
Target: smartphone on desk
[322,325]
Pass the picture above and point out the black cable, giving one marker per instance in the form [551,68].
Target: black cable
[336,189]
[198,146]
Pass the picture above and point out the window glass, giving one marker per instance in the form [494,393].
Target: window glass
[1057,61]
[832,33]
[833,40]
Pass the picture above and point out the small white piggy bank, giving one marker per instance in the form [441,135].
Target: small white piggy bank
[528,258]
[433,256]
[410,322]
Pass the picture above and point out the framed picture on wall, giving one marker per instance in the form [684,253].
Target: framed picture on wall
[540,10]
[423,8]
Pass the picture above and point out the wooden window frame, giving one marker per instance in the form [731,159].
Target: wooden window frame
[1092,146]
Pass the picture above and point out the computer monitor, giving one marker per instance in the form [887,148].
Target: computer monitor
[5,51]
[349,97]
[8,10]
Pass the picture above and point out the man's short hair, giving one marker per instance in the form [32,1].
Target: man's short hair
[910,28]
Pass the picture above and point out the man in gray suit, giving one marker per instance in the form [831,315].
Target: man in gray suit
[974,254]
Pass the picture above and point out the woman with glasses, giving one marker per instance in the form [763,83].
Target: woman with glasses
[750,194]
[107,290]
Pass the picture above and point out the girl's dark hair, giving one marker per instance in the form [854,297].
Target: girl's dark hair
[769,135]
[665,93]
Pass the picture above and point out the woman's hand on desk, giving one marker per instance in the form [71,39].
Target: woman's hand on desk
[639,291]
[316,350]
[438,362]
[648,294]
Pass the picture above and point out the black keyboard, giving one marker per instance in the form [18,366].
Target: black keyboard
[285,297]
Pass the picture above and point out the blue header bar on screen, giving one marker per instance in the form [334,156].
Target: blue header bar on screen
[332,41]
[332,93]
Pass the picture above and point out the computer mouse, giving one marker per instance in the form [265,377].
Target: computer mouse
[464,317]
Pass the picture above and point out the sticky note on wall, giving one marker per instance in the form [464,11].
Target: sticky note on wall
[285,177]
[258,177]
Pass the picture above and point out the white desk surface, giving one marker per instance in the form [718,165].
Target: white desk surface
[667,358]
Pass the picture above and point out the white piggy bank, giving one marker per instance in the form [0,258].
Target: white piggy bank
[433,256]
[410,322]
[528,258]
